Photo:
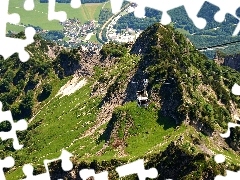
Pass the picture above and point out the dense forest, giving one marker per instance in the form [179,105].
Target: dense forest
[130,21]
[53,35]
[18,81]
[213,34]
[181,20]
[104,15]
[213,28]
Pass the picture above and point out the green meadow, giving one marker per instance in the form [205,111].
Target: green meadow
[62,122]
[39,16]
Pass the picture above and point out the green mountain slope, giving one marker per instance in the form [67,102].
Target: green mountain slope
[100,122]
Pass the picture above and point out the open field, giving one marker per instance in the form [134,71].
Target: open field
[86,12]
[107,5]
[38,17]
[15,28]
[94,38]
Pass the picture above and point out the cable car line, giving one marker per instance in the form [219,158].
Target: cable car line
[142,96]
[218,45]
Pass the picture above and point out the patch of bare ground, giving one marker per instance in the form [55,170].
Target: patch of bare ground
[105,114]
[207,89]
[71,86]
[119,144]
[106,110]
[88,61]
[53,51]
[234,111]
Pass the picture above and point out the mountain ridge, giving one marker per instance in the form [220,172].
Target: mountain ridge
[190,104]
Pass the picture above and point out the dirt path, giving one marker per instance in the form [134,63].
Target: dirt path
[40,110]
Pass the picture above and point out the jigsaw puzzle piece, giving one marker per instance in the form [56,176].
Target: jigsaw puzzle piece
[53,15]
[137,167]
[192,8]
[207,12]
[231,175]
[116,5]
[28,171]
[227,7]
[8,162]
[29,5]
[236,89]
[66,166]
[163,5]
[87,173]
[6,18]
[75,4]
[20,125]
[9,46]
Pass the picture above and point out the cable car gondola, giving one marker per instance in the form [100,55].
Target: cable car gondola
[142,96]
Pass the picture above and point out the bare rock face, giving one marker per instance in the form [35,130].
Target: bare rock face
[232,61]
[170,100]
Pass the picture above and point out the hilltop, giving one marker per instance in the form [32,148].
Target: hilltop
[100,122]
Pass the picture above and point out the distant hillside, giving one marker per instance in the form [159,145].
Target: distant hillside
[100,123]
[213,34]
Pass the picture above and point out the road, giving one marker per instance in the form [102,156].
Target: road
[104,4]
[110,19]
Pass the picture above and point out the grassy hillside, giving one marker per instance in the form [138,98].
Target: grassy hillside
[101,124]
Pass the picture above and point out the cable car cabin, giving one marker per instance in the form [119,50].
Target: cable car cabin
[143,102]
[142,98]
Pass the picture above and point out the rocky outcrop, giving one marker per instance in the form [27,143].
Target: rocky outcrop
[171,99]
[232,61]
[202,127]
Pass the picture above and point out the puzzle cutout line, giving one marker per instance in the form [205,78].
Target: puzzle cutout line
[9,46]
[20,125]
[192,8]
[66,164]
[219,158]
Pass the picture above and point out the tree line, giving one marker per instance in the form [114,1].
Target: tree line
[130,21]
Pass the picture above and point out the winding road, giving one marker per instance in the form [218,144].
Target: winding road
[110,19]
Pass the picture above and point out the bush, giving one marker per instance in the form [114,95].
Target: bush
[46,92]
[26,105]
[113,50]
